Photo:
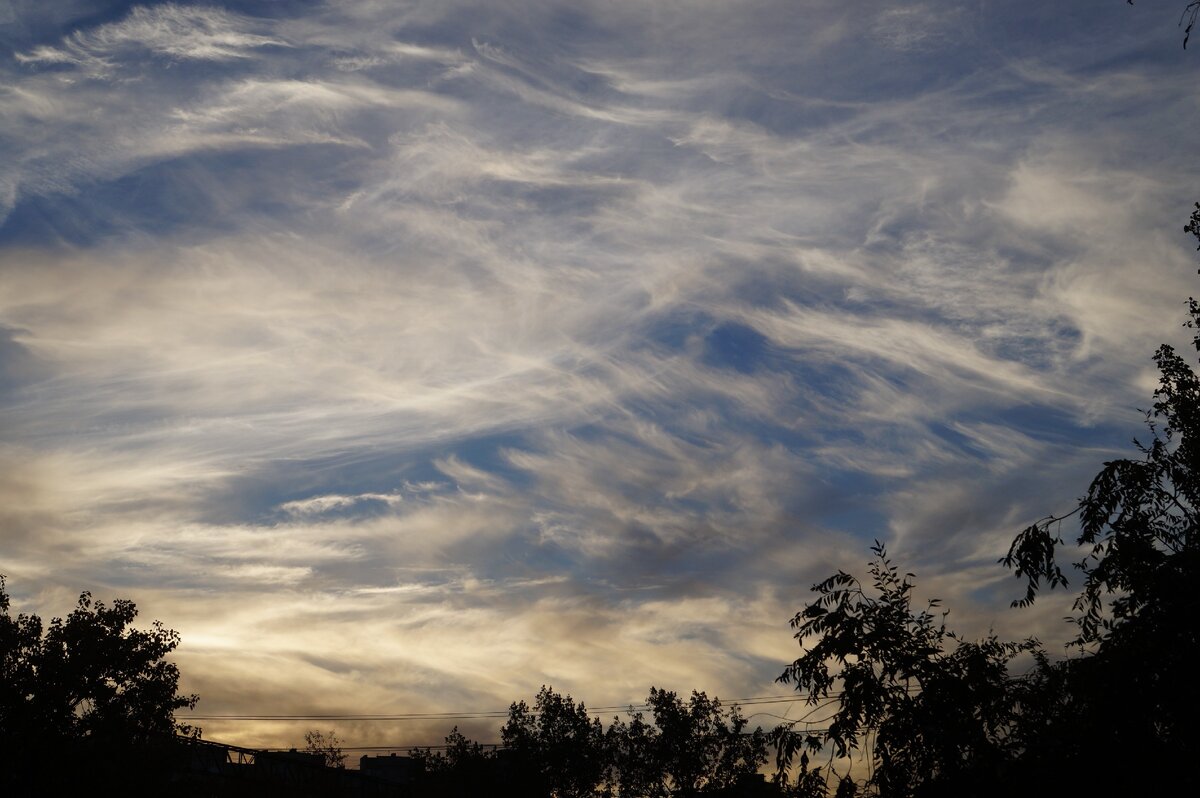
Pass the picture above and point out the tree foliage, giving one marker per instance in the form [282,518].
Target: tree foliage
[932,703]
[89,686]
[91,676]
[692,747]
[1137,520]
[463,768]
[1136,611]
[555,747]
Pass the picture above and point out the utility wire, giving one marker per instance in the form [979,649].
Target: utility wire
[486,714]
[443,747]
[806,719]
[791,698]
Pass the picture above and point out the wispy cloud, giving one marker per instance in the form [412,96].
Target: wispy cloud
[180,32]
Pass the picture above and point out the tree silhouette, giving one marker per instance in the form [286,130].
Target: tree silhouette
[464,768]
[692,747]
[90,686]
[557,748]
[327,746]
[1139,538]
[634,757]
[944,715]
[938,708]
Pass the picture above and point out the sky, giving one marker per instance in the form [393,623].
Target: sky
[408,356]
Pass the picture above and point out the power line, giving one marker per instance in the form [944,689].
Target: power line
[444,747]
[485,714]
[805,719]
[817,703]
[765,700]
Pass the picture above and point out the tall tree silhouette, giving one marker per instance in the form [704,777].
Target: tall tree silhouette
[1137,609]
[944,713]
[938,708]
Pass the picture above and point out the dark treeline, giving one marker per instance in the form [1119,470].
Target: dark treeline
[557,748]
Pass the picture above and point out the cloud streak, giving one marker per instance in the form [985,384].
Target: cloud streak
[171,31]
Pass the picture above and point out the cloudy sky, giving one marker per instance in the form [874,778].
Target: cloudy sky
[407,356]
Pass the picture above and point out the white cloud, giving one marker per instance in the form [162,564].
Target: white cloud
[319,505]
[175,31]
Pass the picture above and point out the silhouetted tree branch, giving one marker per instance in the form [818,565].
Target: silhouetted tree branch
[1190,13]
[327,746]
